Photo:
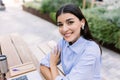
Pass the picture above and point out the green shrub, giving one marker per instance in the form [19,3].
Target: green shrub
[32,4]
[99,11]
[103,26]
[117,37]
[52,16]
[53,5]
[101,29]
[113,16]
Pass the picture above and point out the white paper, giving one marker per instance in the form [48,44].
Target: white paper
[34,75]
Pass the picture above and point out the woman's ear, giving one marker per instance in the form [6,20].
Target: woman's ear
[82,23]
[83,26]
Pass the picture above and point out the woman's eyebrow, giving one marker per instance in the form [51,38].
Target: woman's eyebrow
[69,19]
[58,22]
[66,20]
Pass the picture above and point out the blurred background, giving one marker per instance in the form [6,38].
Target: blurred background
[35,21]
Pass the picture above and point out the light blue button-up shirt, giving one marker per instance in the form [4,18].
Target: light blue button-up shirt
[80,61]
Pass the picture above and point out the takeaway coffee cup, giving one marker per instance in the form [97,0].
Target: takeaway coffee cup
[3,64]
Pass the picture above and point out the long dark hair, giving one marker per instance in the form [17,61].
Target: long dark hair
[73,9]
[70,8]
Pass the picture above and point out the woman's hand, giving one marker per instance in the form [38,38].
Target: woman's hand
[55,57]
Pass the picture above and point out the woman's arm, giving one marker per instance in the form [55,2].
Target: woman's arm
[46,72]
[50,73]
[54,59]
[54,72]
[48,65]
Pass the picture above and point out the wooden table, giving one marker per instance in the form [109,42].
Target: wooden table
[19,53]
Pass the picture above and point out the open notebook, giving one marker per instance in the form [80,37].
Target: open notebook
[26,71]
[34,75]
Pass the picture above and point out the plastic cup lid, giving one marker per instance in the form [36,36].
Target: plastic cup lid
[2,57]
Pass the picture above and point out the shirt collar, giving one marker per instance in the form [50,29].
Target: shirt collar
[78,46]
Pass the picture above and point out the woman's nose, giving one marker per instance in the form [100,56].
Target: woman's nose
[65,28]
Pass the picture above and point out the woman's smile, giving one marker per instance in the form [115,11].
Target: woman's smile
[69,27]
[67,35]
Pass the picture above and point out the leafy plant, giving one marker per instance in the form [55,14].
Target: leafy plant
[33,4]
[52,16]
[53,5]
[113,16]
[117,37]
[104,28]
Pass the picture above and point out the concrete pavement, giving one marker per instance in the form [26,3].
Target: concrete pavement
[35,30]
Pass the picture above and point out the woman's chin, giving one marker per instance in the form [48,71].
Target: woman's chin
[68,40]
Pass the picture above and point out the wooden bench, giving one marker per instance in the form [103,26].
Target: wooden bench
[18,52]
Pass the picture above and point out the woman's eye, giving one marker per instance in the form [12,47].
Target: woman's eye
[70,22]
[59,24]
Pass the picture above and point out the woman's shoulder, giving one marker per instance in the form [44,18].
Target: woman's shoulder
[91,43]
[92,47]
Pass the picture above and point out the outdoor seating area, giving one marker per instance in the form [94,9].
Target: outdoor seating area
[19,56]
[17,53]
[26,38]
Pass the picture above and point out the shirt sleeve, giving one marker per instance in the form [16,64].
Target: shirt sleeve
[46,60]
[84,69]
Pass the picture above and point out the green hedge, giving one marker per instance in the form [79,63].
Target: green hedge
[113,16]
[52,16]
[48,6]
[104,25]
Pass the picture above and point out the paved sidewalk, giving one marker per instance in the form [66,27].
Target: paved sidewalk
[35,30]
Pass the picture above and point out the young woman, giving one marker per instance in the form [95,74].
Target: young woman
[78,53]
